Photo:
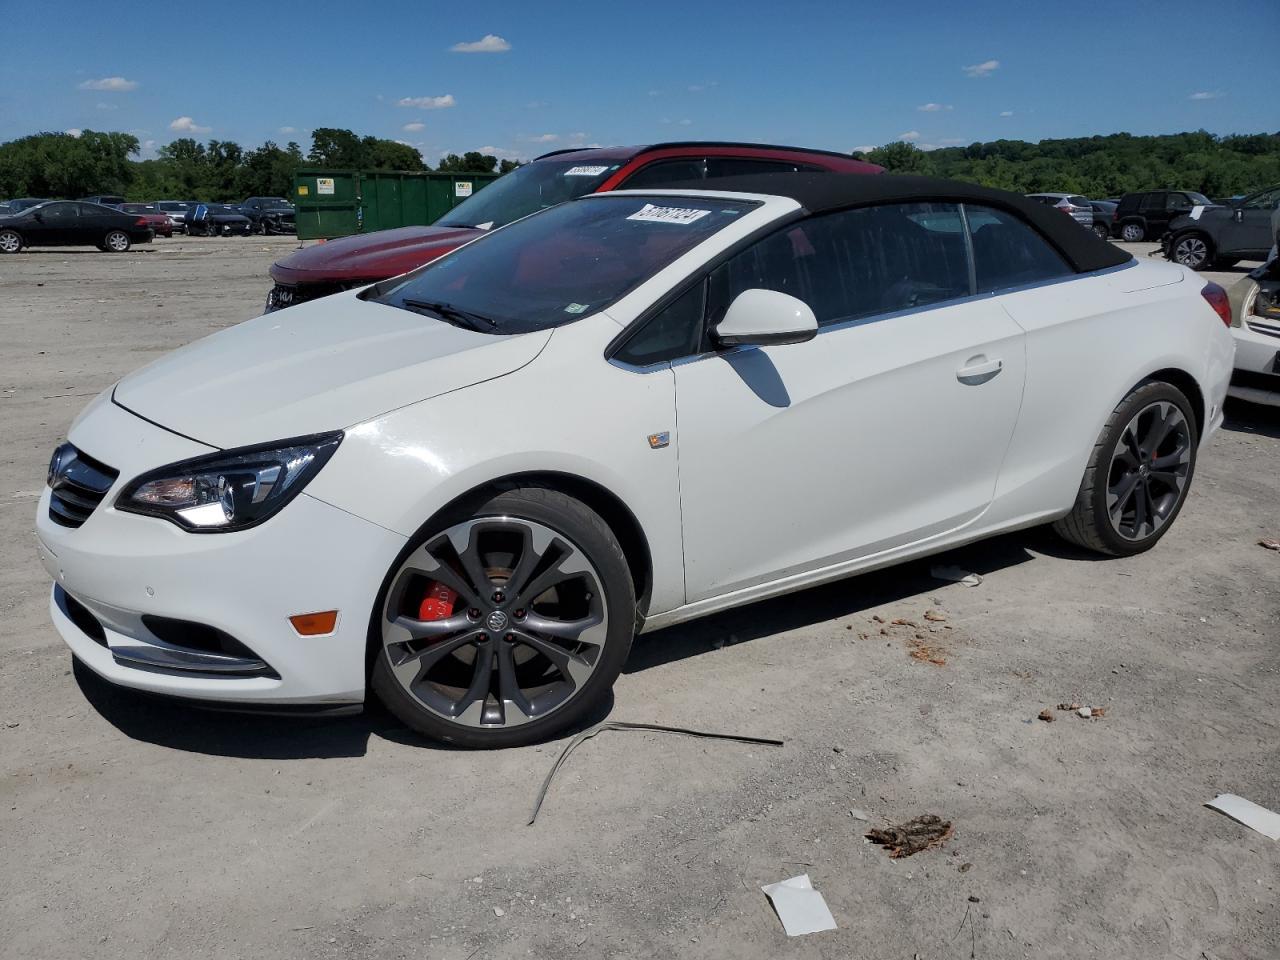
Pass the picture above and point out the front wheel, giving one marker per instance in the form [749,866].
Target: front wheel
[1193,250]
[10,241]
[1138,473]
[1102,230]
[504,623]
[117,241]
[1133,232]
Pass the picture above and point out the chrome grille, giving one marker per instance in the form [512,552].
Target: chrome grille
[78,484]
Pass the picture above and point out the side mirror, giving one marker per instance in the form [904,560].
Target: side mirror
[765,318]
[1238,215]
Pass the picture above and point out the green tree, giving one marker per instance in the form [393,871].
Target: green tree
[470,162]
[900,157]
[64,165]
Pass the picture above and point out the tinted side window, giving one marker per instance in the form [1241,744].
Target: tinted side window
[856,263]
[1178,201]
[665,172]
[674,332]
[62,212]
[1152,203]
[735,166]
[1009,253]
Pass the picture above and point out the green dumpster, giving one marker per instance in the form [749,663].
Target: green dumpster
[338,203]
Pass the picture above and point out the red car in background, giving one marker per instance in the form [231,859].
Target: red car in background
[156,219]
[550,179]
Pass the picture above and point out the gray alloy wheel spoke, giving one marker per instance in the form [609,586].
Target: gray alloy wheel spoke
[517,664]
[514,707]
[1120,495]
[1160,429]
[574,668]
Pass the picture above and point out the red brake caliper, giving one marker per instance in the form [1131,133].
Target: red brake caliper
[438,603]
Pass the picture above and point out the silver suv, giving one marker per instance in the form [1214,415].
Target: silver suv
[1070,203]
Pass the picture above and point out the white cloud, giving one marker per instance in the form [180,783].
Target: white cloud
[983,69]
[1006,113]
[499,153]
[110,84]
[536,104]
[489,43]
[682,123]
[1206,95]
[414,127]
[288,129]
[428,103]
[909,135]
[107,106]
[542,138]
[655,93]
[865,148]
[187,125]
[579,136]
[933,107]
[74,132]
[699,87]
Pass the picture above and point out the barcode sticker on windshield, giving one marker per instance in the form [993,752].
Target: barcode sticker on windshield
[585,171]
[681,215]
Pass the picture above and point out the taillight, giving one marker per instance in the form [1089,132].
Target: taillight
[1115,215]
[140,222]
[1216,297]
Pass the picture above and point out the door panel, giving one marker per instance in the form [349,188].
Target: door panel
[1251,234]
[875,434]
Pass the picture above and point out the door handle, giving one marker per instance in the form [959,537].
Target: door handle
[978,370]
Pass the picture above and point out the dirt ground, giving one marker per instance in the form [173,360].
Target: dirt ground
[134,828]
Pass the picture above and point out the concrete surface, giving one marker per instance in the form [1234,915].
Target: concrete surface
[132,828]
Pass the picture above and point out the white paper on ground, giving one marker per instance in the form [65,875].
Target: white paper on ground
[956,575]
[801,908]
[1249,813]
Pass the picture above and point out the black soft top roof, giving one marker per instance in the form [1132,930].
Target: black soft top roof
[824,192]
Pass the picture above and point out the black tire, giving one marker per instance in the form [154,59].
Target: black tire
[116,241]
[1192,249]
[1090,524]
[1102,230]
[1133,232]
[589,534]
[11,241]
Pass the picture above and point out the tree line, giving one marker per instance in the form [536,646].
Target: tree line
[64,165]
[1103,166]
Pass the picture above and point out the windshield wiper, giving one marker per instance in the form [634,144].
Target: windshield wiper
[452,314]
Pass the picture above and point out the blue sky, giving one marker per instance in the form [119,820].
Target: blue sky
[832,75]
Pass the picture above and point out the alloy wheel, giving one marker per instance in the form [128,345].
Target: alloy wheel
[1191,252]
[10,242]
[1149,469]
[1132,232]
[495,622]
[117,241]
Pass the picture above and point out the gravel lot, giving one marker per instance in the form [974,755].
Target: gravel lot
[133,828]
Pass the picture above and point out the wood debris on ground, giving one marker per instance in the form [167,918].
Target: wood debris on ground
[1269,543]
[911,836]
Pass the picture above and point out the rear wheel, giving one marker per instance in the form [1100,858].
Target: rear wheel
[10,241]
[1193,250]
[1103,232]
[506,622]
[117,241]
[1138,474]
[1133,232]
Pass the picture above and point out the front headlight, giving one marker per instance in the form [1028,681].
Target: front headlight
[230,490]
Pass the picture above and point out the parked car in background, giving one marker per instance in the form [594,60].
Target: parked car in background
[158,221]
[1146,216]
[1072,204]
[176,211]
[553,178]
[72,223]
[269,215]
[217,220]
[1103,211]
[106,200]
[1255,324]
[1219,237]
[25,203]
[502,466]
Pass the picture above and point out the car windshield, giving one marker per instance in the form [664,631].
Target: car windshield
[1199,199]
[275,203]
[526,190]
[560,265]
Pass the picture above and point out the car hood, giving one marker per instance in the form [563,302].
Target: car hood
[319,366]
[371,256]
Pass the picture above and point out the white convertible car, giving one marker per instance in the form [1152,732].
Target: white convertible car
[468,487]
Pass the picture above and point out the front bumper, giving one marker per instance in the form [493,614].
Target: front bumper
[1257,371]
[130,572]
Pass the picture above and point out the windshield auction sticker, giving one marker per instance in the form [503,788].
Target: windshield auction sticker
[681,215]
[585,171]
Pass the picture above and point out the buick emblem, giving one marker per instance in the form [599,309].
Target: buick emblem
[496,621]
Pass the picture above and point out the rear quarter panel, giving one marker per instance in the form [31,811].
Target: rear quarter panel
[1090,340]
